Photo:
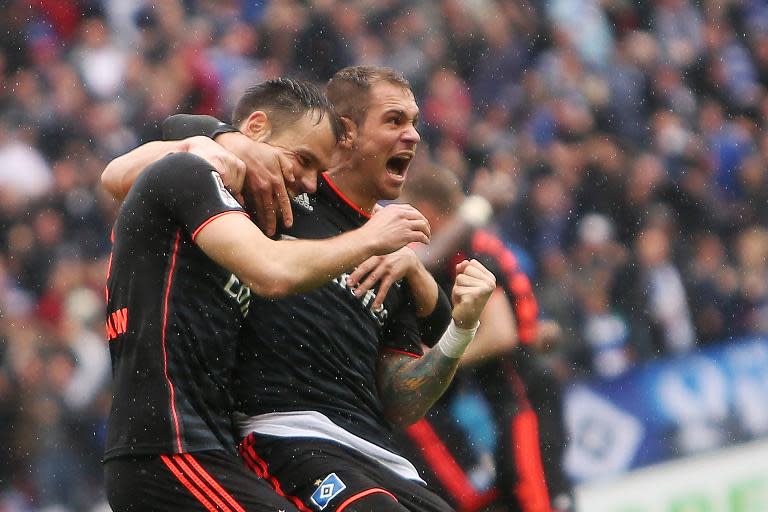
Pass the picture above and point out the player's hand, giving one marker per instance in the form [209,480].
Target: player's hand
[384,270]
[395,226]
[268,169]
[471,291]
[230,167]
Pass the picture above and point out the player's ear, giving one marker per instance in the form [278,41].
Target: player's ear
[257,126]
[350,133]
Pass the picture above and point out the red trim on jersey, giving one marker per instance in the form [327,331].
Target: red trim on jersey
[516,284]
[259,466]
[186,483]
[531,490]
[212,481]
[404,352]
[200,484]
[480,501]
[165,328]
[109,265]
[363,494]
[447,469]
[201,226]
[518,386]
[440,460]
[344,198]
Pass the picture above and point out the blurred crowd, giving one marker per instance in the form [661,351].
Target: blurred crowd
[623,144]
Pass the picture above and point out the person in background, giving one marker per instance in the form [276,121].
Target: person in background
[501,369]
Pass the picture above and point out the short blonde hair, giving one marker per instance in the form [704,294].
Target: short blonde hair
[350,89]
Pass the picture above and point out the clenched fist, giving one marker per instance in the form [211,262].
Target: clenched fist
[471,291]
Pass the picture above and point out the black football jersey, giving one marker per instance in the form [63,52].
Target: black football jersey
[173,315]
[318,351]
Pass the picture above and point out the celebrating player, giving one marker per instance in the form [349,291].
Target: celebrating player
[184,261]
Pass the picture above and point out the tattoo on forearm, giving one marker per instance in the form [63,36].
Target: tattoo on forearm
[409,387]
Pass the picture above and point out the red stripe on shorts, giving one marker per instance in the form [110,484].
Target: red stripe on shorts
[260,467]
[186,483]
[362,495]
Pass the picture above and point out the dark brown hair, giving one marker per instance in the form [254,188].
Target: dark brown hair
[285,100]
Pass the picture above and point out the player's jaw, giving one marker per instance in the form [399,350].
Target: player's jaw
[392,161]
[386,170]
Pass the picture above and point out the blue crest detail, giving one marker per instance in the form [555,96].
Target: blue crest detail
[328,489]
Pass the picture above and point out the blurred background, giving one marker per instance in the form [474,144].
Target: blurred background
[625,142]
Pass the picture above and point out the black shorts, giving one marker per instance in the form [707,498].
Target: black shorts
[211,481]
[321,475]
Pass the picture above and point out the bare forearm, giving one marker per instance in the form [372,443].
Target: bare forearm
[273,268]
[301,265]
[278,268]
[409,387]
[121,172]
[424,290]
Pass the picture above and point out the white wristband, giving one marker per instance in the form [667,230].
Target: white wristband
[455,340]
[476,211]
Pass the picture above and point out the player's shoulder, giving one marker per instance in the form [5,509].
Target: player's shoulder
[175,175]
[175,172]
[181,160]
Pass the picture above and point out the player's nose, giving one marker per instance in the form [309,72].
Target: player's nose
[411,135]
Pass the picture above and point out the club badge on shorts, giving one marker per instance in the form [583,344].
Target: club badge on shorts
[329,488]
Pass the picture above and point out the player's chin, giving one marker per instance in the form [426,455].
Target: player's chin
[390,193]
[391,188]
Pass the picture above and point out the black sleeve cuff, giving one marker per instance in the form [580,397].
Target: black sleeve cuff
[181,126]
[432,327]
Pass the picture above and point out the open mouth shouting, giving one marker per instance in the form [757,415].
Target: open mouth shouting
[398,165]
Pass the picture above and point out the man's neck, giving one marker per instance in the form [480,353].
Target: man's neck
[350,184]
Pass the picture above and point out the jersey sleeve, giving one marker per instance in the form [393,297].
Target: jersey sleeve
[401,331]
[434,325]
[188,189]
[181,126]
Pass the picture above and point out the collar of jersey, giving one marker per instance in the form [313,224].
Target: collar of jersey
[343,197]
